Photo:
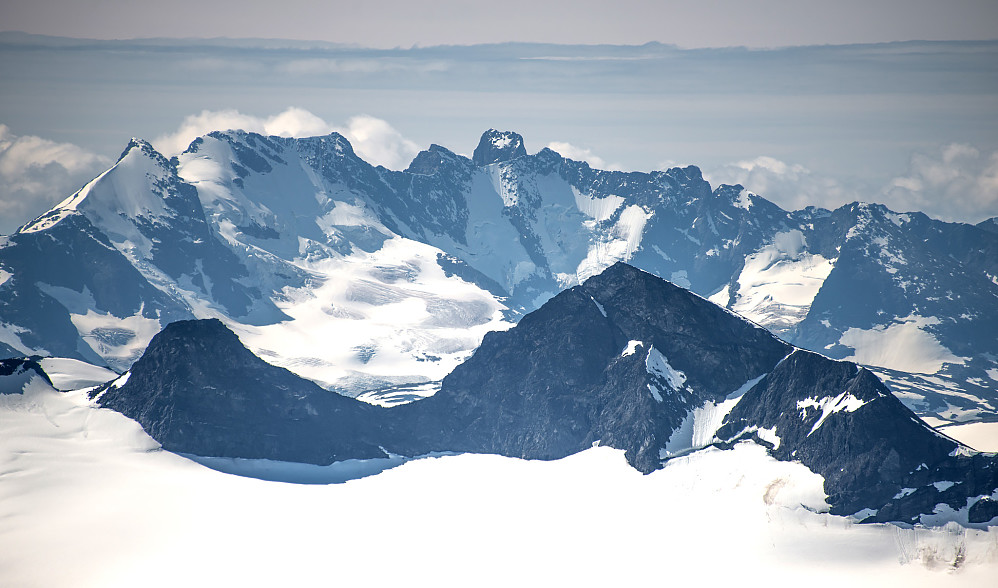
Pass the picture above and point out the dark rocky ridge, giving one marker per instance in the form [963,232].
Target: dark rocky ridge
[198,390]
[868,451]
[888,267]
[560,380]
[497,147]
[574,372]
[18,371]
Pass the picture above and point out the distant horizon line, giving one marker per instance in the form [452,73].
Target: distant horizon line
[224,41]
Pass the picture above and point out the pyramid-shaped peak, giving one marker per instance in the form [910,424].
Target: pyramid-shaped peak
[498,146]
[144,147]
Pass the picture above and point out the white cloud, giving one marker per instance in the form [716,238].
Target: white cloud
[378,143]
[35,174]
[669,164]
[373,139]
[293,122]
[581,154]
[791,186]
[957,183]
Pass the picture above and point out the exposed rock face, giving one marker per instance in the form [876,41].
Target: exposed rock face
[198,390]
[585,367]
[498,147]
[16,372]
[625,359]
[239,219]
[841,422]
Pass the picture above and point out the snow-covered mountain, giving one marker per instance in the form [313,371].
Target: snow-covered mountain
[88,484]
[377,282]
[625,360]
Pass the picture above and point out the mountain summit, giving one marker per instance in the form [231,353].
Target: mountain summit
[626,360]
[197,389]
[498,147]
[298,241]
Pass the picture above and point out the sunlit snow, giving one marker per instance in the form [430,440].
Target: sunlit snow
[72,374]
[632,346]
[361,327]
[982,436]
[11,335]
[779,282]
[828,406]
[658,366]
[599,209]
[698,428]
[618,245]
[88,487]
[904,345]
[120,341]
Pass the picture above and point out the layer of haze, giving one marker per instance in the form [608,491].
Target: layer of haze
[403,23]
[913,125]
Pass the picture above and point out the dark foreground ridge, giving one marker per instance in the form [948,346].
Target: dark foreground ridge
[18,371]
[622,360]
[197,389]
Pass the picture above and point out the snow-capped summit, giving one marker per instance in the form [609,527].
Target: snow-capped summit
[135,187]
[497,147]
[295,241]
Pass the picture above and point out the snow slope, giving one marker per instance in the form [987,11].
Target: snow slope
[778,283]
[87,499]
[72,374]
[373,320]
[982,436]
[261,232]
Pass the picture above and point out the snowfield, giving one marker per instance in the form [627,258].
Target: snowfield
[371,320]
[778,283]
[88,499]
[981,436]
[905,345]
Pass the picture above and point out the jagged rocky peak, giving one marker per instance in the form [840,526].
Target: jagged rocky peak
[208,333]
[621,359]
[333,141]
[626,359]
[498,146]
[142,151]
[716,349]
[134,186]
[877,458]
[146,149]
[432,160]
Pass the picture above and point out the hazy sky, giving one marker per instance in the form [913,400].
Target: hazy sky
[392,23]
[912,125]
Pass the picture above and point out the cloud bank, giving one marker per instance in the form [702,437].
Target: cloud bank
[35,174]
[790,186]
[373,139]
[378,143]
[956,183]
[577,153]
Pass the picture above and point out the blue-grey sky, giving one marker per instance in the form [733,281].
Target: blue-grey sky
[914,125]
[402,23]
